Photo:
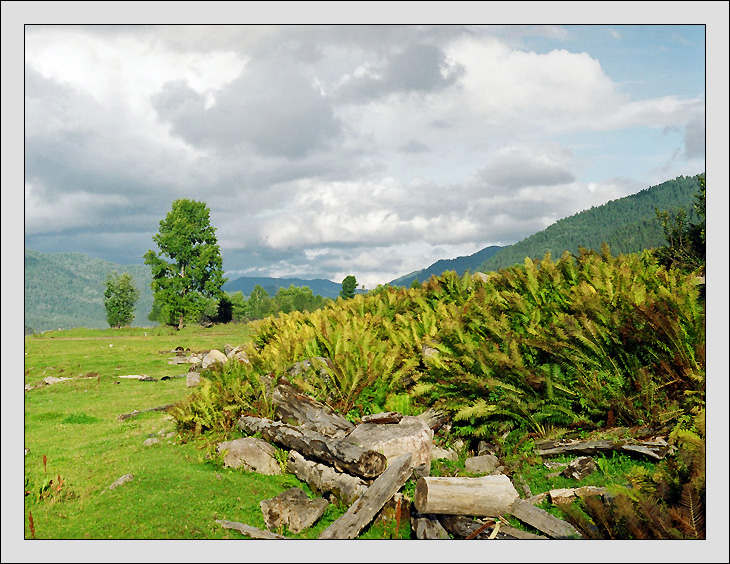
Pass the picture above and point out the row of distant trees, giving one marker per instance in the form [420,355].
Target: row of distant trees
[187,276]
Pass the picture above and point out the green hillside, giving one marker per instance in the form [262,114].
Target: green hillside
[459,265]
[66,290]
[628,225]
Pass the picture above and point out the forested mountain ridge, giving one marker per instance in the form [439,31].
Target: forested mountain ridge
[66,290]
[459,264]
[627,224]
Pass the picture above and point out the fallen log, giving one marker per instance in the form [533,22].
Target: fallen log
[428,527]
[486,495]
[657,449]
[325,479]
[543,521]
[360,513]
[462,527]
[136,412]
[343,455]
[291,406]
[248,530]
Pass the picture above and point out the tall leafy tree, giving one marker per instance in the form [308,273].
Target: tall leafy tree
[120,299]
[188,270]
[349,285]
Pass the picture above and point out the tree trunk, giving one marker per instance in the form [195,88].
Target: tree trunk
[343,455]
[307,412]
[487,495]
[377,495]
[322,478]
[426,527]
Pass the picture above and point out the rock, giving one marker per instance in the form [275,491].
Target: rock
[294,509]
[236,353]
[192,379]
[580,467]
[50,380]
[252,454]
[123,480]
[214,356]
[438,453]
[410,435]
[486,448]
[484,464]
[150,442]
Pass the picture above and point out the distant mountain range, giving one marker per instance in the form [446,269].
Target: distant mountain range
[246,284]
[65,290]
[459,264]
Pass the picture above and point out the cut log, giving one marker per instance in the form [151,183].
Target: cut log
[428,527]
[383,417]
[360,513]
[657,449]
[487,495]
[294,509]
[543,521]
[248,530]
[136,412]
[325,479]
[344,455]
[291,406]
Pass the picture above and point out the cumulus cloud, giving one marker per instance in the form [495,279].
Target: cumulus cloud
[326,150]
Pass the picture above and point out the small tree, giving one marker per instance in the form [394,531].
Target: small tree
[349,284]
[194,274]
[120,299]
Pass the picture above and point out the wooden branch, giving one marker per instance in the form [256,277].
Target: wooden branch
[249,531]
[543,521]
[343,455]
[136,412]
[377,495]
[657,449]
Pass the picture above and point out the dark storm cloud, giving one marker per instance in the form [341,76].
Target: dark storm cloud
[274,109]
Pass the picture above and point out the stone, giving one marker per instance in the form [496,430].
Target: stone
[294,509]
[236,353]
[192,379]
[53,380]
[252,454]
[484,464]
[121,481]
[150,442]
[438,453]
[214,356]
[383,417]
[580,467]
[409,435]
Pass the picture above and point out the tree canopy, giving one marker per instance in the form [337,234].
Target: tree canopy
[349,285]
[120,299]
[184,284]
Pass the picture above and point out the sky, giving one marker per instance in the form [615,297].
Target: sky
[324,151]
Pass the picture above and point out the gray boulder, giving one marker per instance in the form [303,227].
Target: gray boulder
[484,464]
[294,509]
[252,454]
[214,356]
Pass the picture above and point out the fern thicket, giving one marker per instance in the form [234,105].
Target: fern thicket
[588,338]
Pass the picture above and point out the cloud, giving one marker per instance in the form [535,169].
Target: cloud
[327,149]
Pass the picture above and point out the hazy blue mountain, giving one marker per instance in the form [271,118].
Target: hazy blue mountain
[246,284]
[459,264]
